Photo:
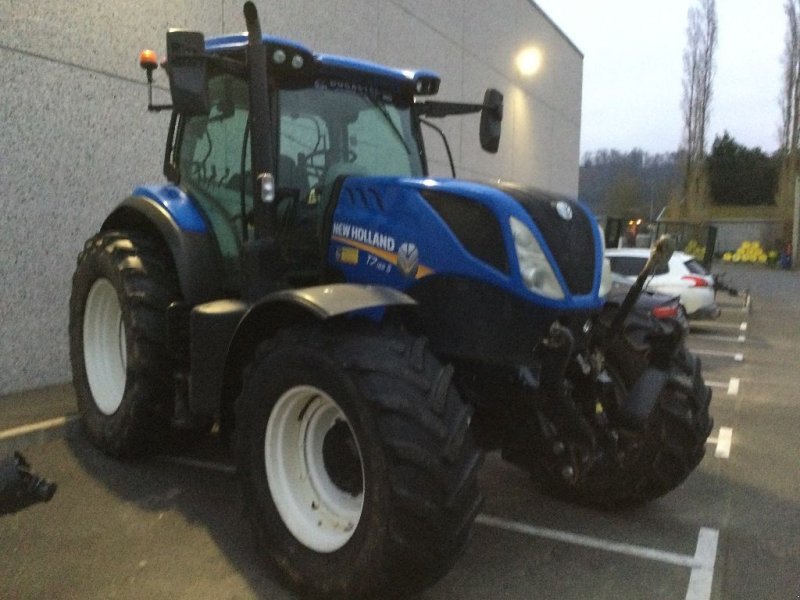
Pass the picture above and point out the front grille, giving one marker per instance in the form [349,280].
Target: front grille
[571,241]
[475,226]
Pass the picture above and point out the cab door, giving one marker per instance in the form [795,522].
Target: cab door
[213,164]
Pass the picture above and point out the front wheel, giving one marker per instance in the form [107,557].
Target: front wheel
[645,462]
[356,461]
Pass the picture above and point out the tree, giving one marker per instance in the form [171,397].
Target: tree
[632,183]
[698,75]
[740,176]
[790,99]
[624,196]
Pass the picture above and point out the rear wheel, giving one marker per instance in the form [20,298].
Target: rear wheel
[120,366]
[357,465]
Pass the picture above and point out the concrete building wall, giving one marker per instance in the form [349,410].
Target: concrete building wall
[732,232]
[75,137]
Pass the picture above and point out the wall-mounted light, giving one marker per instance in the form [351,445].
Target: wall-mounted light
[529,61]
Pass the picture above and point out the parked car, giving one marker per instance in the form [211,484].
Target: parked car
[683,276]
[657,306]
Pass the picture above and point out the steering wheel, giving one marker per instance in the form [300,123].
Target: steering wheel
[319,170]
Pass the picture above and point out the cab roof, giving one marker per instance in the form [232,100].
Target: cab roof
[414,82]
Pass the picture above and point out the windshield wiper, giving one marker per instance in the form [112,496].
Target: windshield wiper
[382,109]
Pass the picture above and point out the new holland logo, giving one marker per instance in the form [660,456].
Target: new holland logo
[408,259]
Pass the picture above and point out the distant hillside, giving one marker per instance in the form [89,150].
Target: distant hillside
[628,184]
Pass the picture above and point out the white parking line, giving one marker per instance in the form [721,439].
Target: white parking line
[33,427]
[717,325]
[706,554]
[577,539]
[740,339]
[724,439]
[701,564]
[722,442]
[744,306]
[737,356]
[732,386]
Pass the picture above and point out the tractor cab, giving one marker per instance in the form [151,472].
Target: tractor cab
[323,132]
[325,118]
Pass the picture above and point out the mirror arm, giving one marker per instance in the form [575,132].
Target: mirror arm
[228,65]
[158,107]
[446,144]
[150,106]
[436,110]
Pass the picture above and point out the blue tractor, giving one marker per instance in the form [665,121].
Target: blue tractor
[360,331]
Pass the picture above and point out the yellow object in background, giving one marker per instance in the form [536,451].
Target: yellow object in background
[747,252]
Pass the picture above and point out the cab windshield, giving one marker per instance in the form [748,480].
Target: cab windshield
[323,132]
[331,130]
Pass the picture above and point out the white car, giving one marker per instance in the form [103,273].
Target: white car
[683,276]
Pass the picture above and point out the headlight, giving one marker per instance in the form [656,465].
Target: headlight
[536,272]
[605,278]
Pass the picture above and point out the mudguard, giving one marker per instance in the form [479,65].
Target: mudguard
[642,397]
[237,330]
[326,301]
[194,251]
[644,394]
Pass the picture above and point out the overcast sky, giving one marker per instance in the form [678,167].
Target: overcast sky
[633,68]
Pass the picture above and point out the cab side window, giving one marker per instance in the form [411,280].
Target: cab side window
[211,171]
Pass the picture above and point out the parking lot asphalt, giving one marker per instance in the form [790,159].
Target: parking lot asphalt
[173,527]
[35,416]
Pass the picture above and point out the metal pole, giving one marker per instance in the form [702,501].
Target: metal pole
[795,221]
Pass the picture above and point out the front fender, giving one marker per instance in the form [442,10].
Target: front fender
[216,383]
[294,306]
[646,391]
[332,300]
[642,397]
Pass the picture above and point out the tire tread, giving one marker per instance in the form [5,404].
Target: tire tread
[432,460]
[141,271]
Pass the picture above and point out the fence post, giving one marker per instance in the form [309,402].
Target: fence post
[795,221]
[711,243]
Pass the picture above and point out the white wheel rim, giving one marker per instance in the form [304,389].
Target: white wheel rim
[104,350]
[317,511]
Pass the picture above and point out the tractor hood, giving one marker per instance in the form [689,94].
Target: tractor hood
[421,227]
[567,229]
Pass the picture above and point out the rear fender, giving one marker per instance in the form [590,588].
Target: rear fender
[170,214]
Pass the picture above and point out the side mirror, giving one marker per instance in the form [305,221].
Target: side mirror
[188,75]
[491,117]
